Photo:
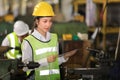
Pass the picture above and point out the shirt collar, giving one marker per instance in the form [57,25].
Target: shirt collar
[41,37]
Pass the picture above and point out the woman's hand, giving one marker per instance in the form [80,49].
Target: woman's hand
[51,58]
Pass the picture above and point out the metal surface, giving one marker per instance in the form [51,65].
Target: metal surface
[6,68]
[90,71]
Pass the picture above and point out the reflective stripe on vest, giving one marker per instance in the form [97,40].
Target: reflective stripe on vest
[10,56]
[48,72]
[12,42]
[44,50]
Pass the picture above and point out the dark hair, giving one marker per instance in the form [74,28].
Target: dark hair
[34,24]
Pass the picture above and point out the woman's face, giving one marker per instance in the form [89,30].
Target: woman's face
[44,24]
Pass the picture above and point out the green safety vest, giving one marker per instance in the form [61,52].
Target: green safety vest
[42,50]
[14,42]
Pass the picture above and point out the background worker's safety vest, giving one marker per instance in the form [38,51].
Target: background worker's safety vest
[14,42]
[42,50]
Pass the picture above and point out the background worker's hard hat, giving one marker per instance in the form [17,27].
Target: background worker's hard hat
[21,28]
[43,9]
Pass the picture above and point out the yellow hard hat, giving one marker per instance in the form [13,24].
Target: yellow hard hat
[43,9]
[9,18]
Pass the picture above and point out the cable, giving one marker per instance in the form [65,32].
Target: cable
[6,74]
[117,47]
[94,35]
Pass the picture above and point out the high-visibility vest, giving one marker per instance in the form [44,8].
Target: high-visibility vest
[14,42]
[42,50]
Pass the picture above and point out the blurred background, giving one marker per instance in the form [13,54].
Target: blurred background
[78,23]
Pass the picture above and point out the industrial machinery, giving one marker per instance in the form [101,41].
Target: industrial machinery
[9,67]
[102,71]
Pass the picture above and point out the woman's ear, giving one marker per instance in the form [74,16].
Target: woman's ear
[36,21]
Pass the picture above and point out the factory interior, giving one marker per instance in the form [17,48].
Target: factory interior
[91,26]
